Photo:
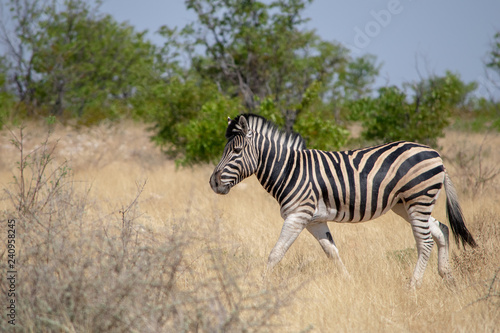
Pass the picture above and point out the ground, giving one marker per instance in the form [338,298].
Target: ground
[128,227]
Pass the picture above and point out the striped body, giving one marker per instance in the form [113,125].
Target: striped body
[354,186]
[314,187]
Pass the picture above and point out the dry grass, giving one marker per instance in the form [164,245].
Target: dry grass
[130,243]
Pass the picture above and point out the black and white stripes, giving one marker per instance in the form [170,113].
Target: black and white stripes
[313,187]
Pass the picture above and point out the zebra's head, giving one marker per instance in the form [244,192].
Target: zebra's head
[239,159]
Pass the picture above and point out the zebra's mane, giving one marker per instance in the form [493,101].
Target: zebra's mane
[267,129]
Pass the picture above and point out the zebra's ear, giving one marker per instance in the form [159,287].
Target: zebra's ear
[244,125]
[229,120]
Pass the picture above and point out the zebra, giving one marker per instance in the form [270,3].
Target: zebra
[314,187]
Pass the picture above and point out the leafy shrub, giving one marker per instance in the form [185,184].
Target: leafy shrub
[170,107]
[321,133]
[190,119]
[391,118]
[316,123]
[480,116]
[420,117]
[203,138]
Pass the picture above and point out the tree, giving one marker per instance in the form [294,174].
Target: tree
[6,97]
[493,61]
[354,82]
[256,49]
[21,45]
[357,78]
[254,56]
[71,59]
[260,54]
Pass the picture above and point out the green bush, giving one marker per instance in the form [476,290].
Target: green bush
[202,138]
[321,133]
[194,134]
[481,115]
[316,123]
[185,114]
[421,116]
[391,118]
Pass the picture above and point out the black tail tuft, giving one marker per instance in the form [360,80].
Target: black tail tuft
[455,215]
[457,224]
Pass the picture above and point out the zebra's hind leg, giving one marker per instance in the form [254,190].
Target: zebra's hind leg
[419,220]
[424,241]
[440,234]
[325,239]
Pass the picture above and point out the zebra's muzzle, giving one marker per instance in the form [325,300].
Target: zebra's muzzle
[217,185]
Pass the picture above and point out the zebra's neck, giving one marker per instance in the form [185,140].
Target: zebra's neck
[275,164]
[276,152]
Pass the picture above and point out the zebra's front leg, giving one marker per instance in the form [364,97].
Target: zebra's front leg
[322,233]
[289,233]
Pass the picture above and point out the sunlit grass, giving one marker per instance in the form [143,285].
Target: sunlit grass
[225,241]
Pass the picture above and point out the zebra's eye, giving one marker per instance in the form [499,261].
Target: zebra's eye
[237,150]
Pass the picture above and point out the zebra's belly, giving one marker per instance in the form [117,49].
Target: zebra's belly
[326,214]
[342,214]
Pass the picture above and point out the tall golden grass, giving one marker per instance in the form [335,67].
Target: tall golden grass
[128,242]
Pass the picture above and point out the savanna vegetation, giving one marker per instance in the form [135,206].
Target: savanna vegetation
[74,63]
[107,142]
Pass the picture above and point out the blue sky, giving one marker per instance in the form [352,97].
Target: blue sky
[411,38]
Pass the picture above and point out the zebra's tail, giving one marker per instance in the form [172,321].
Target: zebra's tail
[455,215]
